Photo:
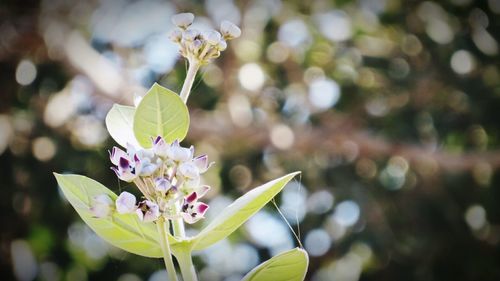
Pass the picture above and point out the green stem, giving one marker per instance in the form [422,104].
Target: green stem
[190,76]
[162,226]
[178,224]
[186,264]
[184,256]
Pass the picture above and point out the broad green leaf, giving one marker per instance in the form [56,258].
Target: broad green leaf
[123,231]
[160,113]
[288,266]
[119,122]
[234,215]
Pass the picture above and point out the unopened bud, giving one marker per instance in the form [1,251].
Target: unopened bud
[212,37]
[190,34]
[125,203]
[196,45]
[229,30]
[222,45]
[175,35]
[183,20]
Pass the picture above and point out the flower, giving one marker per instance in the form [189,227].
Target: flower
[180,154]
[128,164]
[229,30]
[192,210]
[200,47]
[160,147]
[101,206]
[125,203]
[201,163]
[183,20]
[147,211]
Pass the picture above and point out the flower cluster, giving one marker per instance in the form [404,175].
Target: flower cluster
[201,46]
[168,176]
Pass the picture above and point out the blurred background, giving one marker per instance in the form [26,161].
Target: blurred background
[389,108]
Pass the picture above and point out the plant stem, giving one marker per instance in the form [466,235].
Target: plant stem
[184,256]
[162,226]
[186,264]
[178,224]
[194,65]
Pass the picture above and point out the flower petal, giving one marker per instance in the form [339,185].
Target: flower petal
[115,154]
[191,198]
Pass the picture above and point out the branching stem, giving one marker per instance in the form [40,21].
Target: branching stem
[186,264]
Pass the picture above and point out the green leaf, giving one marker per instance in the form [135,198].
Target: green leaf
[160,113]
[234,215]
[288,266]
[119,122]
[123,231]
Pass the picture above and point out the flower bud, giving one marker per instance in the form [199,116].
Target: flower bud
[222,45]
[162,185]
[160,147]
[178,153]
[212,37]
[147,168]
[125,203]
[196,45]
[190,34]
[229,30]
[175,35]
[183,20]
[189,170]
[101,206]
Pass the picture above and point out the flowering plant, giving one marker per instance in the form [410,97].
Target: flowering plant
[168,176]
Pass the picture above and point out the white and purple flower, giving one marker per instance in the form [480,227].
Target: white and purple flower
[192,210]
[147,211]
[128,165]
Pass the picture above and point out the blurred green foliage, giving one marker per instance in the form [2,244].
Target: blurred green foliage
[388,107]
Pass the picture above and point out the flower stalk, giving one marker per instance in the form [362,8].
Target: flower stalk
[178,225]
[188,83]
[163,229]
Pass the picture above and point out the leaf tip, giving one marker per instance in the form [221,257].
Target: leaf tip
[303,251]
